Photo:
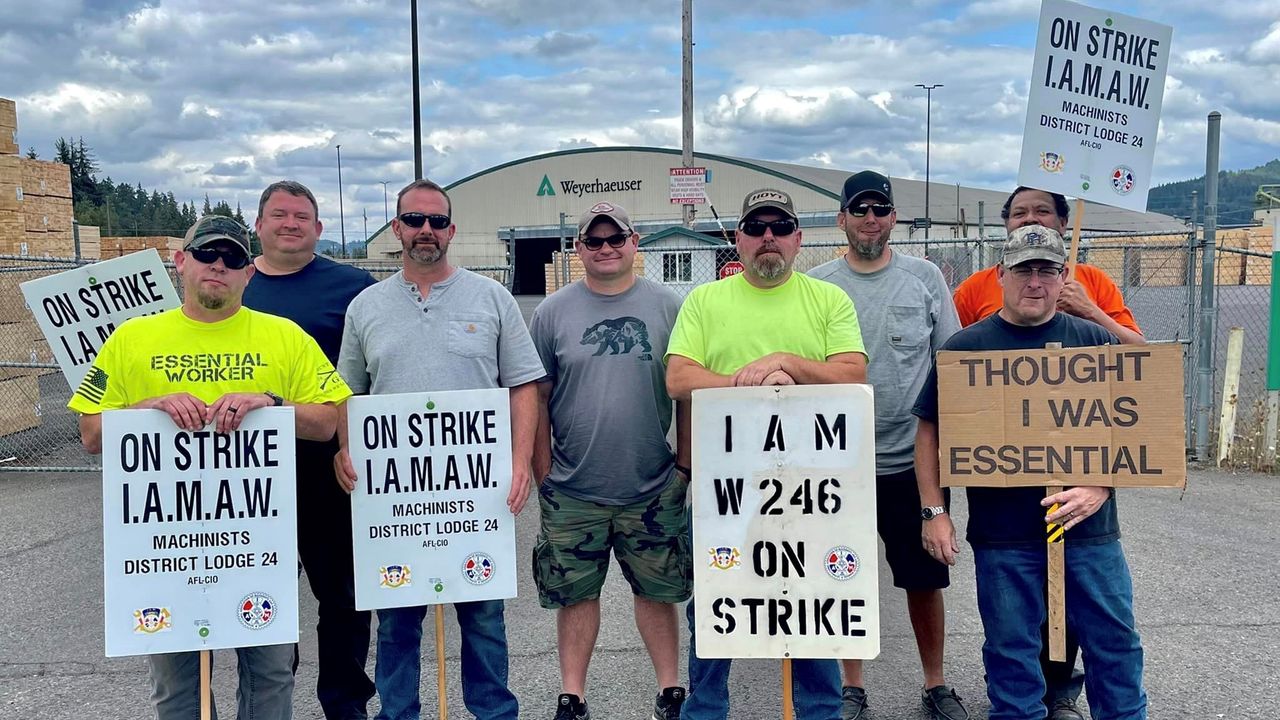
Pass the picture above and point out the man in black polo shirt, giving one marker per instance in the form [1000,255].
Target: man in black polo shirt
[292,281]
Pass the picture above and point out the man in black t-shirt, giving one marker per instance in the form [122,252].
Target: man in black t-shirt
[1006,525]
[292,281]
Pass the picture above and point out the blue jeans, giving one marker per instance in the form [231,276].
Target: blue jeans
[484,661]
[265,691]
[815,686]
[1099,599]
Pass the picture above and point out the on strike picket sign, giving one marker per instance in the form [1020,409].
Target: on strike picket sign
[199,533]
[1097,84]
[430,522]
[784,522]
[77,309]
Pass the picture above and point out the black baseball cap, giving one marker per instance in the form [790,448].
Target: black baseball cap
[212,228]
[867,181]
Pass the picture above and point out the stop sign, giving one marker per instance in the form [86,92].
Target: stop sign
[733,267]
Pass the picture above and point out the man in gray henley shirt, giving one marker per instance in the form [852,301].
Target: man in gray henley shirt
[435,327]
[906,313]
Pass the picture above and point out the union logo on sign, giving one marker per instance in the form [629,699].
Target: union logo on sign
[257,610]
[478,568]
[842,563]
[1122,180]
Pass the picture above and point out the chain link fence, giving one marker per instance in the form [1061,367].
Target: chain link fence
[37,432]
[1159,276]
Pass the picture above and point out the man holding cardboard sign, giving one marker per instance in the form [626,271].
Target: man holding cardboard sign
[765,326]
[1006,525]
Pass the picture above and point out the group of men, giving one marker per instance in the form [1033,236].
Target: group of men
[595,383]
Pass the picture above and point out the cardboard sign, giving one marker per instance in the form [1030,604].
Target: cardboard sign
[430,522]
[1097,84]
[199,533]
[784,522]
[688,185]
[1109,415]
[77,309]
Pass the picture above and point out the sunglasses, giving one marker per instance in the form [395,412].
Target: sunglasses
[232,259]
[615,241]
[879,209]
[756,228]
[417,220]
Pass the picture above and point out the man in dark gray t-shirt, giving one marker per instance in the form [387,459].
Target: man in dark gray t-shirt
[906,313]
[609,479]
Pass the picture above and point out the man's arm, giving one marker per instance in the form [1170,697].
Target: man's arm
[684,376]
[684,439]
[524,426]
[939,534]
[847,367]
[311,421]
[91,433]
[542,440]
[343,468]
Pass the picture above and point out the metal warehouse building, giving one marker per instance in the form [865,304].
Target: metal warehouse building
[531,205]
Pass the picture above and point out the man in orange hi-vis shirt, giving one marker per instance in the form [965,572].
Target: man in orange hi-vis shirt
[1089,294]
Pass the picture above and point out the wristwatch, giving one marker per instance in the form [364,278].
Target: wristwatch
[929,513]
[276,400]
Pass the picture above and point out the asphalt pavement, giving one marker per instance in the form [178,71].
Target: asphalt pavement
[1204,569]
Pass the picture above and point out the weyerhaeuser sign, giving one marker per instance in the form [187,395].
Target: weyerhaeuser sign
[1110,415]
[430,522]
[199,533]
[784,522]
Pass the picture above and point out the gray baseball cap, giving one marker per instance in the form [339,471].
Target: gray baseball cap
[1033,242]
[613,211]
[768,198]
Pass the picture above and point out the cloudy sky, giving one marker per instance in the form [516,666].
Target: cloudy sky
[199,97]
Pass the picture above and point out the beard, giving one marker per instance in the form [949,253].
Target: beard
[211,302]
[868,250]
[768,266]
[426,254]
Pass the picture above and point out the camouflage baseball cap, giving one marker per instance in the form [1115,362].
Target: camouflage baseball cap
[212,228]
[1033,242]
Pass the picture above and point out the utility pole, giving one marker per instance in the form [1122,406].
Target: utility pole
[386,219]
[928,141]
[342,222]
[686,97]
[1208,286]
[417,103]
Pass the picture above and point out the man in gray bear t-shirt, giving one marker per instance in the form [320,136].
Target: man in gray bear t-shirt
[906,313]
[610,480]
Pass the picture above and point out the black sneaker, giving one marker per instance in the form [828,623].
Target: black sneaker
[667,706]
[853,702]
[571,707]
[943,704]
[1064,709]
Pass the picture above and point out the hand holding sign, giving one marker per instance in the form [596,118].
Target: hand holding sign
[229,410]
[186,410]
[1075,505]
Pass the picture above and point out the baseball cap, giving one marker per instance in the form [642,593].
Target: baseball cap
[614,212]
[865,182]
[212,228]
[768,198]
[1033,242]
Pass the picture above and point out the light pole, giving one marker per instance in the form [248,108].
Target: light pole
[386,219]
[342,222]
[928,139]
[417,105]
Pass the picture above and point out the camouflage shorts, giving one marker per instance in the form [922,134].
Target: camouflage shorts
[650,539]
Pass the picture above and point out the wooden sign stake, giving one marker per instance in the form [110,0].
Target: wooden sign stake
[1055,535]
[440,679]
[206,693]
[788,710]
